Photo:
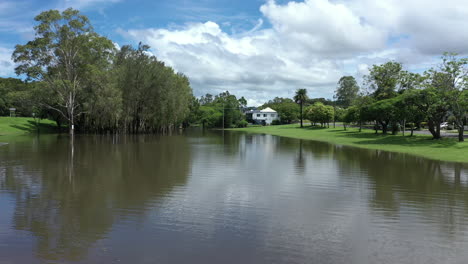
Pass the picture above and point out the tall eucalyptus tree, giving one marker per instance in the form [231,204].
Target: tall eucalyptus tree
[64,53]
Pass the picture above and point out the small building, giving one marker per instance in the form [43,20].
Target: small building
[262,117]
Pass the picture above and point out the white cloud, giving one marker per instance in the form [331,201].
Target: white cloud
[7,67]
[310,44]
[322,26]
[428,26]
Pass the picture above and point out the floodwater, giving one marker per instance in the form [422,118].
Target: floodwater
[214,197]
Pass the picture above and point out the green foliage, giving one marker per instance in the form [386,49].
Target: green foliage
[87,82]
[225,106]
[384,79]
[286,108]
[340,114]
[242,123]
[65,52]
[301,98]
[383,111]
[210,116]
[319,113]
[153,97]
[311,101]
[347,91]
[275,122]
[351,115]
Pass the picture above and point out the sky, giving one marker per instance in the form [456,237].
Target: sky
[261,49]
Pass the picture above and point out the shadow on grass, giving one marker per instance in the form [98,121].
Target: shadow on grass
[380,139]
[31,127]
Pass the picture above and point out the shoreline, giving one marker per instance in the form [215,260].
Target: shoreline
[446,149]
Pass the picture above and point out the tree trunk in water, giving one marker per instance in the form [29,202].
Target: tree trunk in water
[71,123]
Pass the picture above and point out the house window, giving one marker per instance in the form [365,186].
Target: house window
[264,115]
[258,115]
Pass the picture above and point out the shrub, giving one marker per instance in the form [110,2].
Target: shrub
[276,122]
[242,123]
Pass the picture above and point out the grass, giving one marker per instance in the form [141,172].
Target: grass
[446,149]
[11,126]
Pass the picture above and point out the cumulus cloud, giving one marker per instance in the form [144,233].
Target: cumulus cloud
[320,26]
[310,44]
[428,26]
[7,67]
[298,44]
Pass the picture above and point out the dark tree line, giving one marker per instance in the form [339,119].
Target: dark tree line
[77,77]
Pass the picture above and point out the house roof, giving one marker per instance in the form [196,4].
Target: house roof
[268,110]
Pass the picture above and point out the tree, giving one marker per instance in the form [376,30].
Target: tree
[408,109]
[384,112]
[384,79]
[300,98]
[209,116]
[456,87]
[347,91]
[206,99]
[288,111]
[154,97]
[339,115]
[242,102]
[65,51]
[362,104]
[319,113]
[351,115]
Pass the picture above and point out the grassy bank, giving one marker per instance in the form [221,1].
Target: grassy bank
[10,126]
[447,149]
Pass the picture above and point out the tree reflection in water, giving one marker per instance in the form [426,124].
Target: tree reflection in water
[71,191]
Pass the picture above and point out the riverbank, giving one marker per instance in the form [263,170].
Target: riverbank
[447,149]
[11,126]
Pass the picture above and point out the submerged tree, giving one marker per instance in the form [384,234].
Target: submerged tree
[64,53]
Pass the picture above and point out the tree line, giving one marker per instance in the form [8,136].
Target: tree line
[79,78]
[221,111]
[398,98]
[391,99]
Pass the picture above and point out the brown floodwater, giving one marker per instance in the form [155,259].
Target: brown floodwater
[214,197]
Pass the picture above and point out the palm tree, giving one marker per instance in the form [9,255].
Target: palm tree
[300,98]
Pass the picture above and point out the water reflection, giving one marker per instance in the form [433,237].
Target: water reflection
[229,197]
[69,194]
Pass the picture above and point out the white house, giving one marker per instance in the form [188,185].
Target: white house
[265,116]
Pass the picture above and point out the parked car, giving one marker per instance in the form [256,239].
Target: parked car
[444,125]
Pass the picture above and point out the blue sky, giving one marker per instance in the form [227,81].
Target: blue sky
[263,48]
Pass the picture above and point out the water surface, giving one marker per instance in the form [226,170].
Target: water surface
[214,197]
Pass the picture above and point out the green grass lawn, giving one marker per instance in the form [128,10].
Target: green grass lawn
[447,149]
[10,126]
